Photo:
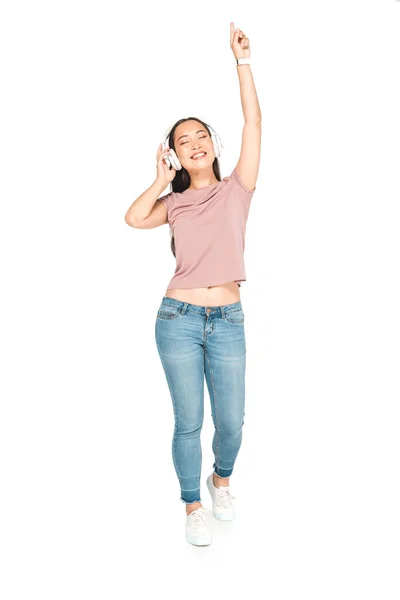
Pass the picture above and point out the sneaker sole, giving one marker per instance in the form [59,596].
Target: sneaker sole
[198,542]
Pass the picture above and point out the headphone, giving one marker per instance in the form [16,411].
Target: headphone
[171,158]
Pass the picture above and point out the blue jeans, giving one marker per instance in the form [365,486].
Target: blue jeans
[195,341]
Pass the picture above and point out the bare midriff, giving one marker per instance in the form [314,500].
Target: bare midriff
[215,295]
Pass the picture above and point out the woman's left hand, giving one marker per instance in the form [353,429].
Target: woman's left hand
[239,43]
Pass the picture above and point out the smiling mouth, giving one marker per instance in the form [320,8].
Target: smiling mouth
[200,157]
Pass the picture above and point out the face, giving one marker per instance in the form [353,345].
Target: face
[191,137]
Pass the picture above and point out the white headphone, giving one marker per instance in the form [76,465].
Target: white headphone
[173,161]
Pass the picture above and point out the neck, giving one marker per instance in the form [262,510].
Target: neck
[199,180]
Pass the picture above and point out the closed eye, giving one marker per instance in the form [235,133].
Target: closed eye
[200,138]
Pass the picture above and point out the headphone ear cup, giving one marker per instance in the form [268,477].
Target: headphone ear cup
[217,144]
[174,160]
[171,158]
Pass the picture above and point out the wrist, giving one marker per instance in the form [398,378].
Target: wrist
[159,184]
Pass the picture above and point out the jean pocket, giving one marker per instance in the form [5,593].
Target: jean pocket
[236,317]
[167,313]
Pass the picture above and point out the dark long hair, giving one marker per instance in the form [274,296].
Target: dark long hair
[181,181]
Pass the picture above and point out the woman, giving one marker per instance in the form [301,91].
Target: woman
[200,322]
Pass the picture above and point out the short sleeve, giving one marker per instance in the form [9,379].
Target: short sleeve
[236,178]
[166,199]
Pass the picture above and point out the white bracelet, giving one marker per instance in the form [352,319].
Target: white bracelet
[242,61]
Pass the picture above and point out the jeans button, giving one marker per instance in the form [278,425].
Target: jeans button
[208,310]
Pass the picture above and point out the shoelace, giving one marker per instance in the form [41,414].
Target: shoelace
[224,497]
[197,518]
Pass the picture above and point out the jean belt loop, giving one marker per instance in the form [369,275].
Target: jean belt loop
[184,307]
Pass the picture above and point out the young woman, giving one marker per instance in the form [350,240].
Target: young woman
[200,323]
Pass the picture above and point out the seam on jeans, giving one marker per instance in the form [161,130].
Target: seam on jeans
[215,403]
[174,410]
[234,321]
[223,469]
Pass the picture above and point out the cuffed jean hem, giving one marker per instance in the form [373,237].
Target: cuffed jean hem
[190,496]
[222,472]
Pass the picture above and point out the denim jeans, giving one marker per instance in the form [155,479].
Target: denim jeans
[195,342]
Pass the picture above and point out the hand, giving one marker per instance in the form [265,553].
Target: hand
[239,43]
[164,173]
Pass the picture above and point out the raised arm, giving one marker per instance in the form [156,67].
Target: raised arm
[249,160]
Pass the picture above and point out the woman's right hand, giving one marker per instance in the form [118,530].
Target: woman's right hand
[164,173]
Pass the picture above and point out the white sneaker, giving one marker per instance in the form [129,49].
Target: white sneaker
[222,501]
[197,532]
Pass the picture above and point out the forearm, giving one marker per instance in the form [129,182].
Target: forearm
[143,205]
[248,95]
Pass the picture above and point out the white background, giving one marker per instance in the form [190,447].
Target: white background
[90,502]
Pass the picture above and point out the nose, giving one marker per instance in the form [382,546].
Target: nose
[197,148]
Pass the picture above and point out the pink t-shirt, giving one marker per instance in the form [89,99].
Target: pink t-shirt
[209,226]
